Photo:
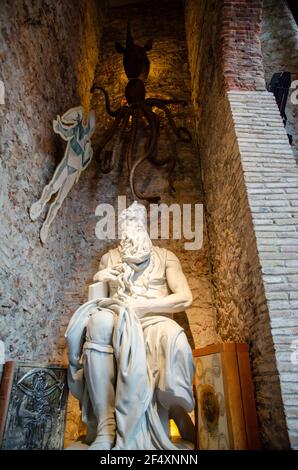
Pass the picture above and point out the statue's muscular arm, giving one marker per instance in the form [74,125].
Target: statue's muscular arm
[180,297]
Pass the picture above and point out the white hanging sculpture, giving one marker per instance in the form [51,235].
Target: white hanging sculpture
[78,154]
[129,362]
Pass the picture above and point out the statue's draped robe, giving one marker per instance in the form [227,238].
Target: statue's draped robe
[153,361]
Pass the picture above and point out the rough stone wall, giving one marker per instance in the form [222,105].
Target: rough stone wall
[280,53]
[237,274]
[48,55]
[202,21]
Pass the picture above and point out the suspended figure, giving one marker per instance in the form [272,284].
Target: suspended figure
[77,156]
[137,108]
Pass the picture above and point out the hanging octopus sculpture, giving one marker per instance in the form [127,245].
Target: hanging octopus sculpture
[137,108]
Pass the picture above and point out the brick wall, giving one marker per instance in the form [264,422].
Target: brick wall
[240,44]
[240,136]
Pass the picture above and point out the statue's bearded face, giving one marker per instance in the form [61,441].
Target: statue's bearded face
[136,245]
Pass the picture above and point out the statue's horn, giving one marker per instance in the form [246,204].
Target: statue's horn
[129,38]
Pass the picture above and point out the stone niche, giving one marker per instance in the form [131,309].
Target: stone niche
[169,78]
[43,285]
[52,53]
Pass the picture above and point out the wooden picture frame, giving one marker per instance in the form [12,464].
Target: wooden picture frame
[226,410]
[5,391]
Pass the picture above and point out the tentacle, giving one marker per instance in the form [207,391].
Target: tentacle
[106,138]
[107,100]
[153,122]
[179,131]
[153,137]
[133,135]
[163,161]
[172,166]
[119,140]
[157,101]
[171,160]
[153,156]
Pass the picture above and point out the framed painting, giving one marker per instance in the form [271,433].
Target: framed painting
[226,411]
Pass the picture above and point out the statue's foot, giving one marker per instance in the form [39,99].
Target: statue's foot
[35,210]
[100,444]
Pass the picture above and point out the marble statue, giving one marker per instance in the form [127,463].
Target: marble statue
[78,154]
[129,361]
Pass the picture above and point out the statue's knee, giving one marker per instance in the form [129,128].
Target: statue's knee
[100,327]
[173,331]
[182,343]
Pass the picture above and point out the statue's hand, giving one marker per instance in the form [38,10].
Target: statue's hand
[138,306]
[105,275]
